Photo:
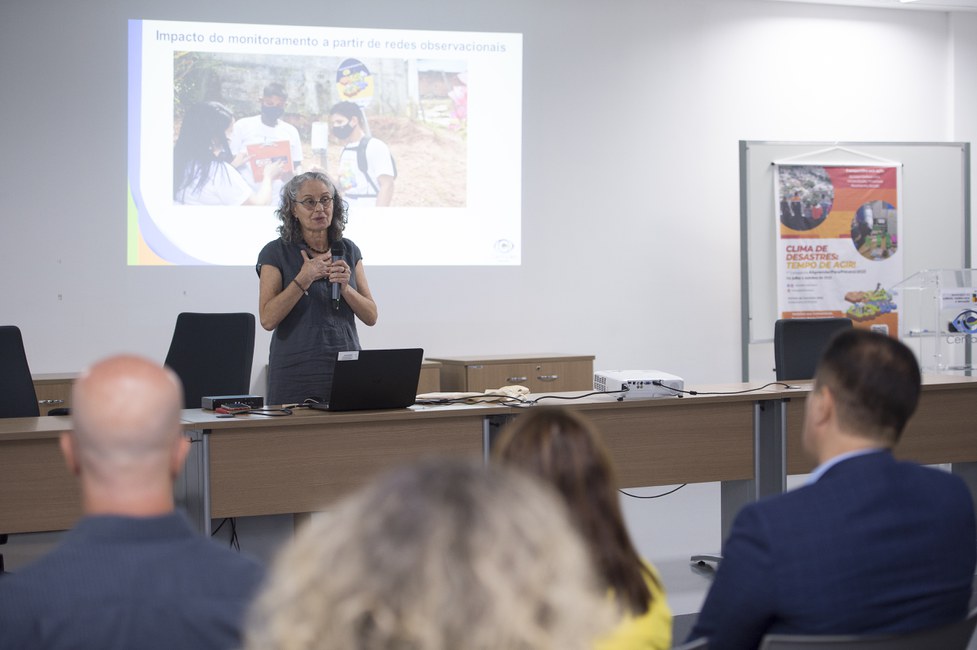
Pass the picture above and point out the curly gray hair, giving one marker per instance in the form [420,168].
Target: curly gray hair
[290,229]
[444,554]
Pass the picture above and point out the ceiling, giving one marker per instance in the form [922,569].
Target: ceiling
[918,5]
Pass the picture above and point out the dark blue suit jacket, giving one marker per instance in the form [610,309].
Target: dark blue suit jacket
[114,582]
[874,546]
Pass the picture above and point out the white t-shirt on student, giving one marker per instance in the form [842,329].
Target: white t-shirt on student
[251,130]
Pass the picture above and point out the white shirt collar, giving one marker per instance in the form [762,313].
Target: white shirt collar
[831,462]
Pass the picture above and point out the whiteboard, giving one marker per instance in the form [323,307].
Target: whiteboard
[935,215]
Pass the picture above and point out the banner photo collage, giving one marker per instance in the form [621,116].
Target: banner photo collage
[839,243]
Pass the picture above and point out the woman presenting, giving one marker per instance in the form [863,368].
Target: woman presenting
[296,274]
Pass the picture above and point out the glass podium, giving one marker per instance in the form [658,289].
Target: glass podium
[939,318]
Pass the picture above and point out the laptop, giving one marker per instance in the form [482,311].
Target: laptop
[374,379]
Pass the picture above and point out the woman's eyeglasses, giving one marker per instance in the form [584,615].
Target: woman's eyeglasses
[312,203]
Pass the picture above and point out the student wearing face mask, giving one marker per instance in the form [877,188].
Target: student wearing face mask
[366,167]
[268,129]
[202,171]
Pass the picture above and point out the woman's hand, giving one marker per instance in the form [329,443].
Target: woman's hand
[273,169]
[275,301]
[360,299]
[339,273]
[264,194]
[314,268]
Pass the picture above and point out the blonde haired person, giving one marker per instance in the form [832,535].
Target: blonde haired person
[441,555]
[566,450]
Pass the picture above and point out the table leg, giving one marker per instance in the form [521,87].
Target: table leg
[192,489]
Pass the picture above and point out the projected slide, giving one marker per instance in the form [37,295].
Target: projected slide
[421,130]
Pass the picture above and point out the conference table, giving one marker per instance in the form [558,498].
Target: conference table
[745,436]
[302,462]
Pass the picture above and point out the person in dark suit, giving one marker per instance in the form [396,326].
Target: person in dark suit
[870,545]
[132,573]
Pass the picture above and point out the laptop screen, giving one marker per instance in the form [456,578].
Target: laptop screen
[374,379]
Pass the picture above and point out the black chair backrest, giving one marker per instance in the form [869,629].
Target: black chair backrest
[212,354]
[16,385]
[954,636]
[799,342]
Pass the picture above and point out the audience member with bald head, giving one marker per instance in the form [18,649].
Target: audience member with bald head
[126,446]
[132,573]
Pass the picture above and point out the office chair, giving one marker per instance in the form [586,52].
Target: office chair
[954,636]
[799,342]
[212,355]
[16,385]
[698,644]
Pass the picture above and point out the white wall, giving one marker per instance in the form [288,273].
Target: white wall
[963,93]
[633,110]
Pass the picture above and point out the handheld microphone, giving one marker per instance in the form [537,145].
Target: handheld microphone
[337,254]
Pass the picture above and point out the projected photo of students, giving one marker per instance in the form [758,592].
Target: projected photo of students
[203,169]
[366,167]
[393,132]
[261,139]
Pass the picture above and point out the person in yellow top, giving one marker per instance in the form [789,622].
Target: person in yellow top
[653,629]
[566,450]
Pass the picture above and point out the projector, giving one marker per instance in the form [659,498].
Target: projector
[638,383]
